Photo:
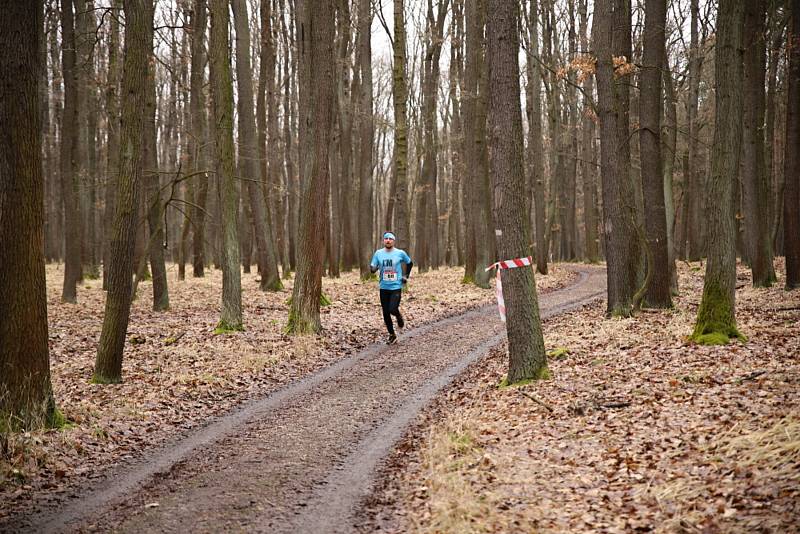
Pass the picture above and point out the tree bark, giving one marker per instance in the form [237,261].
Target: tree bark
[791,194]
[152,183]
[69,153]
[622,252]
[251,150]
[222,98]
[658,289]
[716,317]
[400,97]
[527,358]
[755,185]
[695,179]
[588,160]
[366,239]
[317,55]
[26,394]
[138,21]
[112,143]
[198,137]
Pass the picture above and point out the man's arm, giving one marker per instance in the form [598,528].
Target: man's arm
[373,268]
[409,265]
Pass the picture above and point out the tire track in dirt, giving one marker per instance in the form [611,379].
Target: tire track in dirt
[301,459]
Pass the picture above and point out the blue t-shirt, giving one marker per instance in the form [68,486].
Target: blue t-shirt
[391,270]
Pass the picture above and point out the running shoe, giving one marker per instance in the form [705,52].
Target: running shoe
[392,339]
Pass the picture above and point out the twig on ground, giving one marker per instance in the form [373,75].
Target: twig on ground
[753,375]
[537,401]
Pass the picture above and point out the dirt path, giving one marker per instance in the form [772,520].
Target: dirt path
[302,459]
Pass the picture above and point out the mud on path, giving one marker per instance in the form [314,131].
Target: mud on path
[303,458]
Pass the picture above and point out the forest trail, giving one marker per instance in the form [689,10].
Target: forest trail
[303,458]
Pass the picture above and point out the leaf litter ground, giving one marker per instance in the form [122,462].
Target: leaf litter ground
[639,430]
[178,375]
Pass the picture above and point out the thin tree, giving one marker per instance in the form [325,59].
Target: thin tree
[400,97]
[367,135]
[791,195]
[535,137]
[249,152]
[527,358]
[197,138]
[588,159]
[69,154]
[317,55]
[26,395]
[716,317]
[228,194]
[138,21]
[658,289]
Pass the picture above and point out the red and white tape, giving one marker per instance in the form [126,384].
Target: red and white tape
[507,264]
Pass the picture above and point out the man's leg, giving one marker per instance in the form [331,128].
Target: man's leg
[395,307]
[386,303]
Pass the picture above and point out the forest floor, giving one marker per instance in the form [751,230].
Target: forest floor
[178,375]
[638,430]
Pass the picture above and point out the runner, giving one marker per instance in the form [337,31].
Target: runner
[390,261]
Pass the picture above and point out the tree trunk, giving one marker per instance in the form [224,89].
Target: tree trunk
[527,358]
[316,54]
[26,395]
[588,162]
[695,179]
[478,199]
[535,145]
[755,185]
[716,317]
[152,182]
[668,149]
[791,193]
[622,252]
[228,194]
[138,24]
[366,241]
[400,97]
[251,150]
[112,144]
[198,139]
[658,289]
[69,153]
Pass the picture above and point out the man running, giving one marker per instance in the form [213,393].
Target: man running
[390,261]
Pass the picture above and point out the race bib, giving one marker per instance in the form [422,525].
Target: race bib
[390,275]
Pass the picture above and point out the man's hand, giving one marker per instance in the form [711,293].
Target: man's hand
[405,280]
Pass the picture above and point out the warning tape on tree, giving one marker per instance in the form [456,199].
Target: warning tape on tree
[507,264]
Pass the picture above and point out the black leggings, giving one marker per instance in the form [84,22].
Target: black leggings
[390,302]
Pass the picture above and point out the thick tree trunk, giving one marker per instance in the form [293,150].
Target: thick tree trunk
[527,358]
[658,293]
[317,55]
[755,182]
[622,252]
[69,153]
[716,317]
[26,395]
[222,98]
[791,193]
[138,21]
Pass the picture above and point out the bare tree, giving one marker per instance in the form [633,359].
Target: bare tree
[228,194]
[26,395]
[791,195]
[716,317]
[527,358]
[138,24]
[316,55]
